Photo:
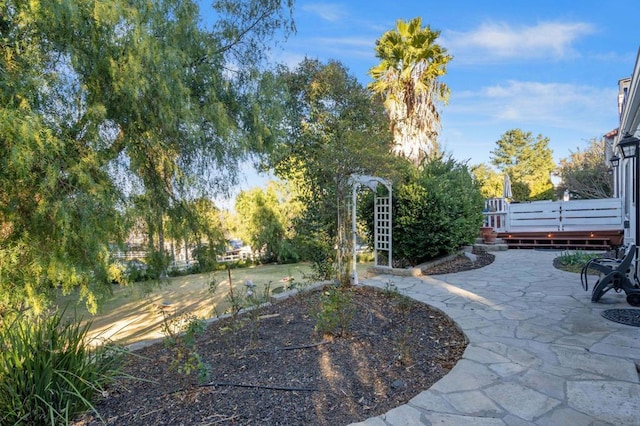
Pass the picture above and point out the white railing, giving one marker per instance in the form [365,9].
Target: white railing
[496,212]
[234,256]
[543,216]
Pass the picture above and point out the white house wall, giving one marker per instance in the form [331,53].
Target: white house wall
[625,173]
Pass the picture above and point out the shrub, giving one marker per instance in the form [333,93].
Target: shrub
[48,374]
[206,257]
[336,311]
[574,261]
[435,212]
[137,270]
[323,263]
[288,253]
[180,334]
[576,258]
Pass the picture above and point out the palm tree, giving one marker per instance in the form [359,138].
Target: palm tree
[407,79]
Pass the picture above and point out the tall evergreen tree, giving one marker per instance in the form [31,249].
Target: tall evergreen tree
[529,163]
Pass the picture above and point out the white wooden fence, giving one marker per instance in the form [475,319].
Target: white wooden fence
[544,216]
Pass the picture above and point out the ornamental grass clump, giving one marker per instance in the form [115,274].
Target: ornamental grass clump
[575,261]
[48,372]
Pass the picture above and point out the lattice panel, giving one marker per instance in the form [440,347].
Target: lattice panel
[383,225]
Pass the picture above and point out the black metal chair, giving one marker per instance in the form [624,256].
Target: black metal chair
[614,274]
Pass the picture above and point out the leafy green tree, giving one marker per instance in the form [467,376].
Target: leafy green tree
[585,173]
[195,224]
[100,101]
[529,163]
[333,129]
[407,78]
[491,183]
[264,223]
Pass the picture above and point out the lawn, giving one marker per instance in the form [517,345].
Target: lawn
[135,312]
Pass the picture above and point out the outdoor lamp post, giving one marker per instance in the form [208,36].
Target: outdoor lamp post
[615,161]
[629,147]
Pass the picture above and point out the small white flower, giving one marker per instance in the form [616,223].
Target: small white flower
[249,284]
[249,293]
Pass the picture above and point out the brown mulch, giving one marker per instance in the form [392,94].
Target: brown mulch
[461,263]
[273,368]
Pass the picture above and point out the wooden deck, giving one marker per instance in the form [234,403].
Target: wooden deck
[576,224]
[584,240]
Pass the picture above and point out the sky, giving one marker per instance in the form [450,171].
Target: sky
[546,67]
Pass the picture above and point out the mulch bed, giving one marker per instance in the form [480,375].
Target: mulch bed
[461,263]
[278,370]
[273,368]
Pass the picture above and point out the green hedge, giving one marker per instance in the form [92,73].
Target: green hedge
[435,212]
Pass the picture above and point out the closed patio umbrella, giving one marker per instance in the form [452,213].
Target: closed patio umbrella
[506,189]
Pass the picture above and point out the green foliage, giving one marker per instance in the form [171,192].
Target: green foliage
[574,261]
[100,100]
[336,311]
[365,257]
[491,183]
[585,174]
[197,223]
[528,162]
[135,271]
[206,257]
[411,62]
[250,300]
[404,302]
[321,253]
[264,223]
[288,252]
[48,374]
[333,129]
[575,258]
[180,334]
[390,289]
[434,212]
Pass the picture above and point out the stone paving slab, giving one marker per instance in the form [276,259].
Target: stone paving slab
[539,351]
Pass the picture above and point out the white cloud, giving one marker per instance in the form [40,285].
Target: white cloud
[500,41]
[534,104]
[332,12]
[568,114]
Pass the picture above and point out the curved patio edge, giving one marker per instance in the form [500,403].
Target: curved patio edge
[539,351]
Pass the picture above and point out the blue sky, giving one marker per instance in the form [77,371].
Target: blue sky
[548,67]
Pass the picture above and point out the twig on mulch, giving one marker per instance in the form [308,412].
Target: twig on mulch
[287,348]
[242,385]
[224,419]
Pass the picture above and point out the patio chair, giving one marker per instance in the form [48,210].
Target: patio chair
[614,274]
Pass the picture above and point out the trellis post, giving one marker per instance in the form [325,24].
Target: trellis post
[382,219]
